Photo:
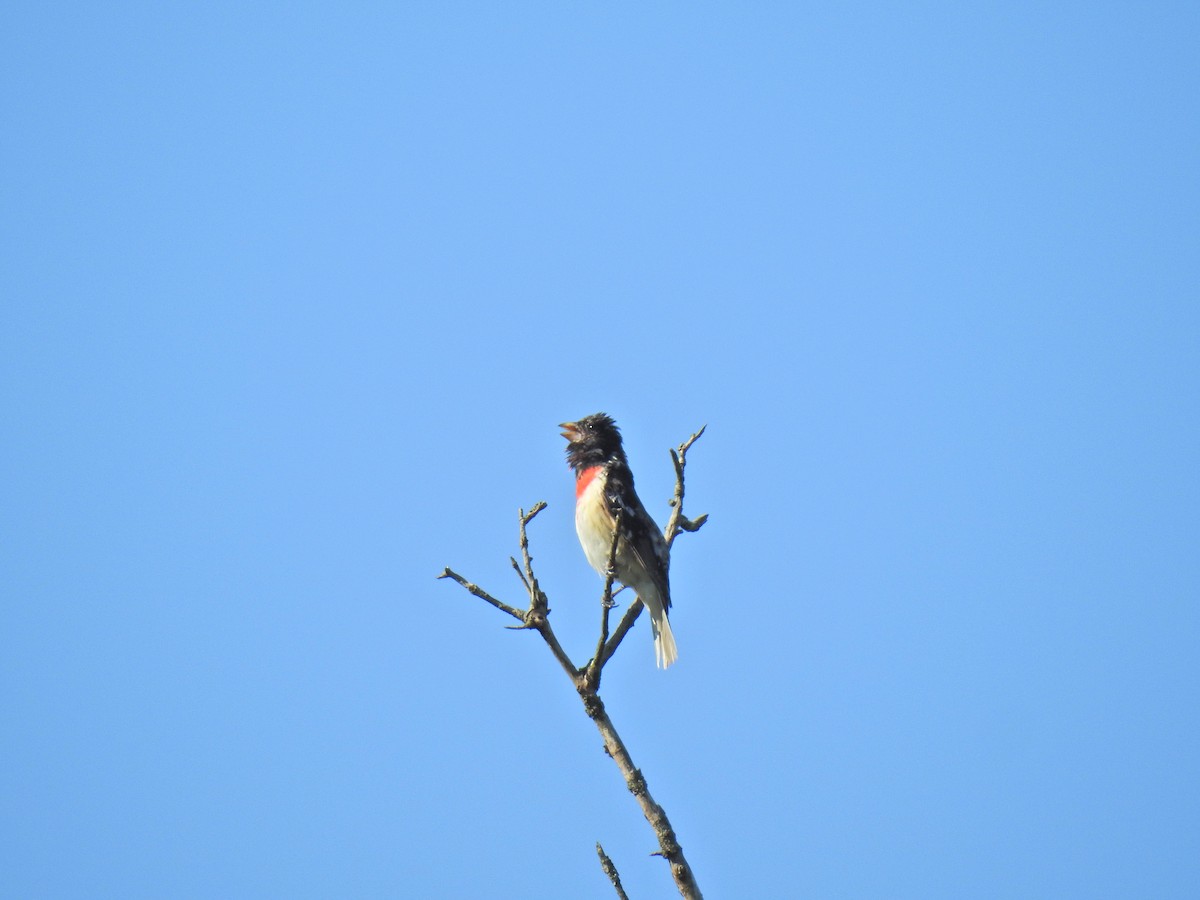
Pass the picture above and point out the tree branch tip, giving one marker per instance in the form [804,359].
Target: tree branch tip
[517,568]
[610,869]
[527,517]
[686,445]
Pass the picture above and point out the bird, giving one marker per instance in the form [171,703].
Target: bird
[604,490]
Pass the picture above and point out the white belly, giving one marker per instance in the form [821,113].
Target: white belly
[593,524]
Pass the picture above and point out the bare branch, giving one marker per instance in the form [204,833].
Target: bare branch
[622,629]
[526,518]
[536,597]
[611,871]
[482,594]
[678,522]
[536,619]
[669,847]
[606,605]
[517,568]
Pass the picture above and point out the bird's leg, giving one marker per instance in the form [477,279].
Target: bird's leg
[610,600]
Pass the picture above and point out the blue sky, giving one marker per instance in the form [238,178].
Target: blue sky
[295,296]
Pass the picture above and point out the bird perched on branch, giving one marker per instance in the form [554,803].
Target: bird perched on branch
[604,490]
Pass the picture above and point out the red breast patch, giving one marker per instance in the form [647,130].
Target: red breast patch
[584,478]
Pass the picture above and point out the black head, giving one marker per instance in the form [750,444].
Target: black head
[592,441]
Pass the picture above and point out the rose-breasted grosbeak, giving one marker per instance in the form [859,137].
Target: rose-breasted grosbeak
[604,488]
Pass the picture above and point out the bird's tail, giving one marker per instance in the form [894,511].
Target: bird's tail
[664,641]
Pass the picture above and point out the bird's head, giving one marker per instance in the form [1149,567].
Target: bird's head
[592,440]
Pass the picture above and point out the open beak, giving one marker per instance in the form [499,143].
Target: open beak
[570,431]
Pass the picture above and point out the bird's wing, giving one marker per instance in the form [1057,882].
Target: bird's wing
[639,531]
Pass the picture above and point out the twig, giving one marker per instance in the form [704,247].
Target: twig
[482,594]
[606,604]
[678,521]
[611,871]
[536,597]
[517,568]
[543,628]
[622,629]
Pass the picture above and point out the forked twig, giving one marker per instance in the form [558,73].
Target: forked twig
[678,521]
[536,596]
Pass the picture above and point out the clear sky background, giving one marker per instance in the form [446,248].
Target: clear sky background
[294,297]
